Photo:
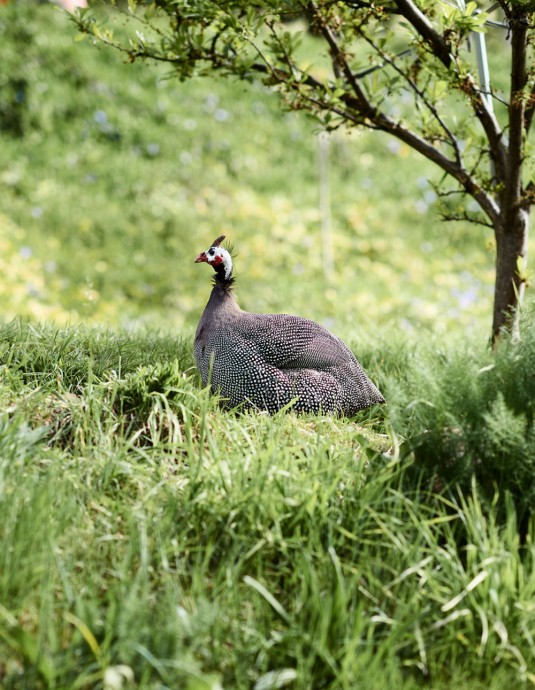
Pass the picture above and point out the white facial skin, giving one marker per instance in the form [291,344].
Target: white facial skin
[218,255]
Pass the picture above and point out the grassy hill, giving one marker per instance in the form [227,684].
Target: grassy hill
[149,540]
[114,177]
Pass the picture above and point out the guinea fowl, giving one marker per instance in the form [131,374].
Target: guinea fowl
[266,361]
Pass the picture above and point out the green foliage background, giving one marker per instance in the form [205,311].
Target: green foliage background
[114,177]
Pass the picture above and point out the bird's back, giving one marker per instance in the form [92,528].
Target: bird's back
[268,360]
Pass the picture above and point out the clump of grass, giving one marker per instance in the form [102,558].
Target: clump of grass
[43,355]
[467,412]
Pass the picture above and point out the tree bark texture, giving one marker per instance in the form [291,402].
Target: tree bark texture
[511,258]
[511,230]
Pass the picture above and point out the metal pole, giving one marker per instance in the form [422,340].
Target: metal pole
[483,67]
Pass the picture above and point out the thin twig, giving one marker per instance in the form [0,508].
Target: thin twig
[452,140]
[465,217]
[441,49]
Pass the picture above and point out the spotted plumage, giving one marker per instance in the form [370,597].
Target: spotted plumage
[266,361]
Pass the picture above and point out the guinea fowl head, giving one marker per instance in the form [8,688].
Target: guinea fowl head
[220,259]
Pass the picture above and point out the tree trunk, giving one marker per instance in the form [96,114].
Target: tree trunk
[511,258]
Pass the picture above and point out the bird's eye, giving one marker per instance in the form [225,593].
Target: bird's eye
[211,252]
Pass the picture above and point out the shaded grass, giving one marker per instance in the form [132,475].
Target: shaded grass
[150,539]
[466,411]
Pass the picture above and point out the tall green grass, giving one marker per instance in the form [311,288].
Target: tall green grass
[150,540]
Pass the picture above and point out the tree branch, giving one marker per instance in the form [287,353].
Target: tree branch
[283,78]
[365,106]
[381,121]
[439,46]
[486,202]
[354,105]
[442,50]
[464,216]
[449,138]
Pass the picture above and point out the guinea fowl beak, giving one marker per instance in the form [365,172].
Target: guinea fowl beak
[202,257]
